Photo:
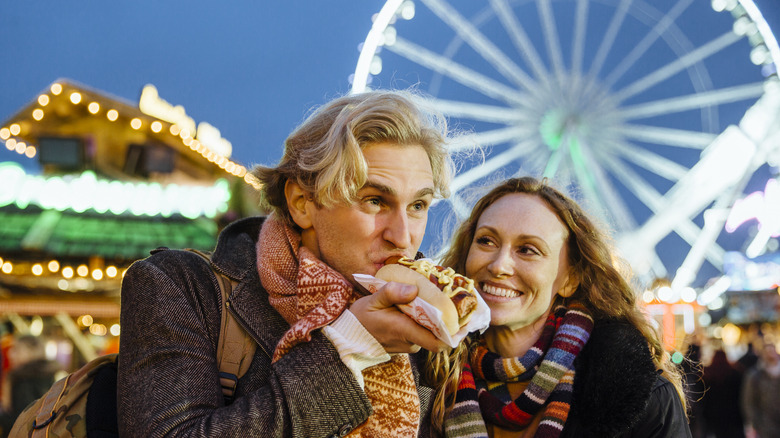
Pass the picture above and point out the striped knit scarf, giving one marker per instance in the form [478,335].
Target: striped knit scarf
[483,396]
[309,295]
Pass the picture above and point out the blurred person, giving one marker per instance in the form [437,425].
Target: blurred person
[761,395]
[691,368]
[352,189]
[721,409]
[30,375]
[568,352]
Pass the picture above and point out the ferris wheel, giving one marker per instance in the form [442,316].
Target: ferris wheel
[656,114]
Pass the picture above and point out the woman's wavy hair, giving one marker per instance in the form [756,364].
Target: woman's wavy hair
[324,154]
[604,287]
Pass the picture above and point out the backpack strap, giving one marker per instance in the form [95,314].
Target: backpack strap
[236,348]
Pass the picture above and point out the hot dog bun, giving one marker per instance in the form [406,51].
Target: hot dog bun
[453,294]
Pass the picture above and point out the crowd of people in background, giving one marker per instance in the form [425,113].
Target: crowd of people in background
[737,396]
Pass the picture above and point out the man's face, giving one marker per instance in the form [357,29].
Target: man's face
[388,217]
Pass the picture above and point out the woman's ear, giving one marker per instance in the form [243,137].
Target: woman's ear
[571,284]
[296,204]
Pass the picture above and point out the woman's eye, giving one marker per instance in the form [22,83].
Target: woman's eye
[527,250]
[483,240]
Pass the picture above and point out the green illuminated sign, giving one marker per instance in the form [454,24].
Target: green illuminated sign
[85,191]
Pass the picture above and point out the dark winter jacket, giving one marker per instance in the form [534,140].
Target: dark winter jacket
[168,377]
[617,391]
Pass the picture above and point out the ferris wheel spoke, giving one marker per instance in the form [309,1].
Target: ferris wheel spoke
[456,71]
[482,45]
[491,165]
[651,36]
[488,138]
[476,111]
[666,136]
[519,37]
[551,36]
[578,39]
[693,101]
[639,187]
[613,202]
[661,166]
[609,38]
[677,65]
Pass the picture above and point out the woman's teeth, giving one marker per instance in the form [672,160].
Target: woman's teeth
[500,291]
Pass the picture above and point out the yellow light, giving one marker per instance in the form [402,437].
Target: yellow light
[730,334]
[75,97]
[67,272]
[37,114]
[82,270]
[43,99]
[175,130]
[5,134]
[30,151]
[54,266]
[111,271]
[7,267]
[63,284]
[15,129]
[97,274]
[20,147]
[10,144]
[86,320]
[184,133]
[37,269]
[56,89]
[93,107]
[187,141]
[1,261]
[135,123]
[98,329]
[112,115]
[115,330]
[156,126]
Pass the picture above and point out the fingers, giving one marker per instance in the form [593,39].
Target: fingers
[397,332]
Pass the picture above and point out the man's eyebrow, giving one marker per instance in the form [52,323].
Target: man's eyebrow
[391,191]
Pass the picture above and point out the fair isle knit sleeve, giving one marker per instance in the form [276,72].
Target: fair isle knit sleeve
[357,348]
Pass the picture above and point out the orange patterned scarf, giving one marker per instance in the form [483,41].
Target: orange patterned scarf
[309,295]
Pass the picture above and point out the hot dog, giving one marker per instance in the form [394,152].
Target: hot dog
[453,294]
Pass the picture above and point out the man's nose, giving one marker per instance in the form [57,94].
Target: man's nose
[397,230]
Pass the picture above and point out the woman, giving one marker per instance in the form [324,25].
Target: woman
[568,352]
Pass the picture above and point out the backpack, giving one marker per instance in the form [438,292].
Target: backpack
[90,391]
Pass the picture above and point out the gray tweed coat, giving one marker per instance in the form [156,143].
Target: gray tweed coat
[168,382]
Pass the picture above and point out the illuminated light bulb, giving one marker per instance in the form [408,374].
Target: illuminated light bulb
[93,107]
[20,147]
[376,66]
[30,151]
[43,99]
[67,272]
[136,123]
[175,129]
[54,266]
[115,329]
[86,320]
[37,114]
[7,268]
[15,129]
[82,270]
[184,133]
[10,144]
[112,115]
[5,134]
[156,126]
[665,293]
[1,261]
[98,329]
[407,10]
[97,274]
[56,89]
[187,141]
[75,97]
[37,269]
[688,294]
[111,271]
[759,55]
[648,296]
[63,284]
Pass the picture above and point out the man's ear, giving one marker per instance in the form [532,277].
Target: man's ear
[571,285]
[296,204]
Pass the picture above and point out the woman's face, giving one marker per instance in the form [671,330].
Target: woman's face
[519,261]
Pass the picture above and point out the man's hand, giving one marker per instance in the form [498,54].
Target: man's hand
[397,332]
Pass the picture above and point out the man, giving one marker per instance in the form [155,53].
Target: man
[352,189]
[761,395]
